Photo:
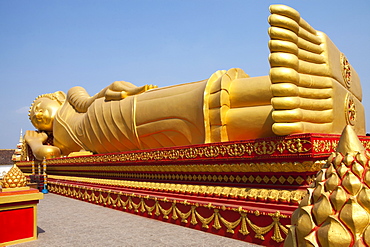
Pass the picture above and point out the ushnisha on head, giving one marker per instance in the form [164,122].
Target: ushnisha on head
[44,109]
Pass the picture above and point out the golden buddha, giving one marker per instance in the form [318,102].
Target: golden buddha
[311,88]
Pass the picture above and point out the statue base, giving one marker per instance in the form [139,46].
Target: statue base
[18,215]
[245,190]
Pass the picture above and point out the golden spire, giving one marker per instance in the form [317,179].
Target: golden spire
[336,209]
[14,178]
[348,142]
[17,156]
[21,137]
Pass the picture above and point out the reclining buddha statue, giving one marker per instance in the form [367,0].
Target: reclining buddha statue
[311,88]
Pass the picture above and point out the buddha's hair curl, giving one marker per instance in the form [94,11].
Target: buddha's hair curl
[58,96]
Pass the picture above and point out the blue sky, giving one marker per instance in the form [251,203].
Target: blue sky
[46,46]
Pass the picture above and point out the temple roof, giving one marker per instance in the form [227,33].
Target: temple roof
[6,156]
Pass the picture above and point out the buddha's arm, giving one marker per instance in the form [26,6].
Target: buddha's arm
[35,140]
[81,100]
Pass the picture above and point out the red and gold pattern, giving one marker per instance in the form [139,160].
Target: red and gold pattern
[293,146]
[232,189]
[236,221]
[263,195]
[289,161]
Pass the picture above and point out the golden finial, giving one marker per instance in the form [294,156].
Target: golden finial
[21,137]
[336,209]
[14,178]
[348,142]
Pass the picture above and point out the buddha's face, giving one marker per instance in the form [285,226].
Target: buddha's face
[42,113]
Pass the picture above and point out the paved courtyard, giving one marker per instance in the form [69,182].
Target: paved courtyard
[64,222]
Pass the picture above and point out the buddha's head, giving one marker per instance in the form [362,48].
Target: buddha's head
[44,109]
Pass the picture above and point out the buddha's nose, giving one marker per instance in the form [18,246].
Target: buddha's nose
[39,114]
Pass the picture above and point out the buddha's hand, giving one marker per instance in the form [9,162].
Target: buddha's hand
[150,86]
[120,89]
[35,140]
[32,136]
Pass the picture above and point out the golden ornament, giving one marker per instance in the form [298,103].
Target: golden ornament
[14,178]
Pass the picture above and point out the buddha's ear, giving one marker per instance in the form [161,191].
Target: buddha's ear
[60,96]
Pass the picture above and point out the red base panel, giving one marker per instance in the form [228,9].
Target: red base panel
[18,215]
[17,224]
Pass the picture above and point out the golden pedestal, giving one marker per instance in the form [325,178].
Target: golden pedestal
[18,215]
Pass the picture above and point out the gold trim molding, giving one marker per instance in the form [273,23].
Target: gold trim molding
[273,195]
[81,164]
[216,220]
[249,149]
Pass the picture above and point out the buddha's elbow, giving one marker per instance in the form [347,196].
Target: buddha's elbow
[47,152]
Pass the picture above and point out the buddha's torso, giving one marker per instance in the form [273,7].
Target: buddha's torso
[169,116]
